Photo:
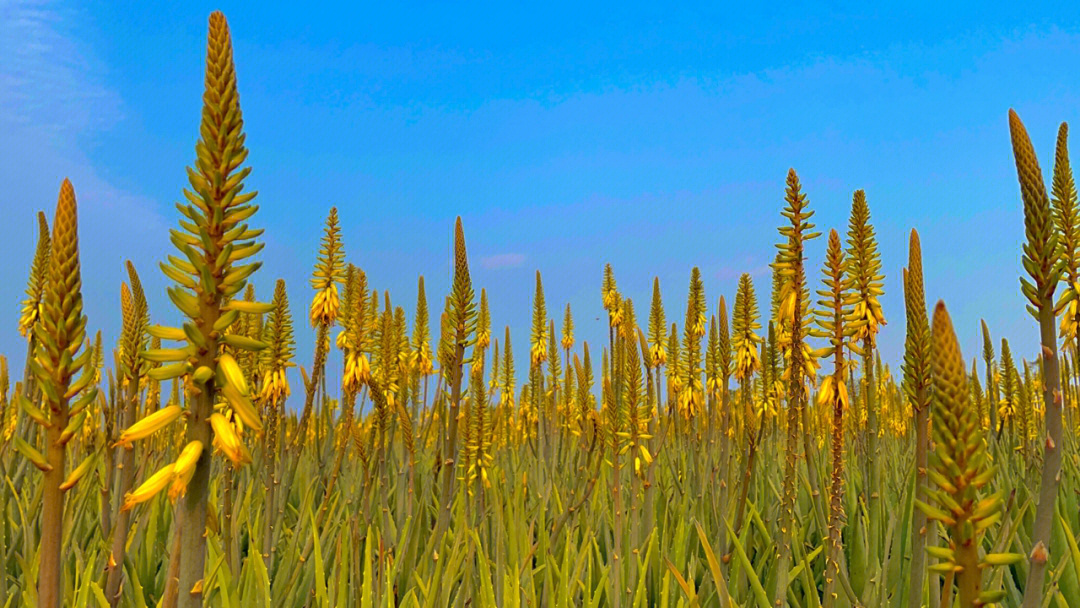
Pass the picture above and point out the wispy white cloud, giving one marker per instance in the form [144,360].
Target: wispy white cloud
[502,261]
[54,101]
[46,79]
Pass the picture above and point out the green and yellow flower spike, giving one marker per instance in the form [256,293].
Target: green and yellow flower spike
[329,273]
[960,468]
[39,270]
[60,357]
[216,244]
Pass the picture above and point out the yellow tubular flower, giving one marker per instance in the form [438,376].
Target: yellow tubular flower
[324,306]
[278,356]
[357,370]
[148,425]
[538,353]
[617,314]
[243,408]
[79,472]
[657,355]
[275,386]
[1069,320]
[226,440]
[149,488]
[184,468]
[233,376]
[424,364]
[568,331]
[329,272]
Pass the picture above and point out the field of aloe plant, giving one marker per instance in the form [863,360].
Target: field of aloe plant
[759,455]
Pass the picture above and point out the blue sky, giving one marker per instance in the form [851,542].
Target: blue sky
[566,136]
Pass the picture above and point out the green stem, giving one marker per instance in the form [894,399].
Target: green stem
[193,505]
[1048,488]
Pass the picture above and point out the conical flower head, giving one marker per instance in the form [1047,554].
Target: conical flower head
[1067,222]
[568,330]
[462,305]
[1041,248]
[723,360]
[329,272]
[864,268]
[483,323]
[538,343]
[281,345]
[745,323]
[917,353]
[959,466]
[62,328]
[39,271]
[657,328]
[421,337]
[215,241]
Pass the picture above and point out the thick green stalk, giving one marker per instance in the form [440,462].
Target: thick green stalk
[1048,486]
[193,505]
[917,383]
[61,332]
[1041,260]
[52,514]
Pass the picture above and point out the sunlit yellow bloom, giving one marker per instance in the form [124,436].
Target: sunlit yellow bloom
[184,469]
[610,298]
[29,317]
[1069,320]
[149,488]
[233,375]
[657,355]
[676,384]
[699,326]
[424,364]
[357,370]
[148,425]
[746,361]
[275,386]
[226,440]
[324,306]
[690,402]
[616,315]
[538,352]
[715,386]
[831,390]
[342,341]
[868,317]
[79,472]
